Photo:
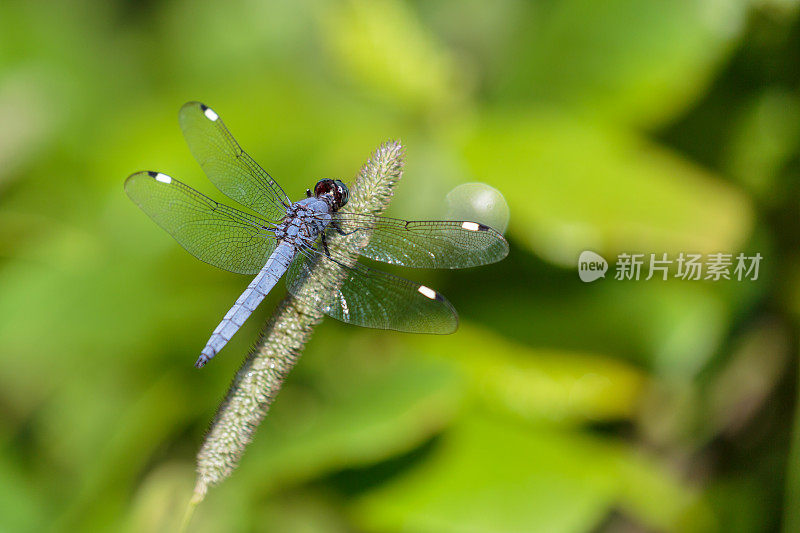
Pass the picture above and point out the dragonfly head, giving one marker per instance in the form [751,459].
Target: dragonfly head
[332,191]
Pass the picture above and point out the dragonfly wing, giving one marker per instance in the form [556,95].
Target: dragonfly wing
[425,243]
[215,233]
[370,298]
[228,167]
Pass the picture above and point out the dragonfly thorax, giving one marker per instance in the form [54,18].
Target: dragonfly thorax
[304,221]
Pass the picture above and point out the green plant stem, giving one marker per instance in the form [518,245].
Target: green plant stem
[258,381]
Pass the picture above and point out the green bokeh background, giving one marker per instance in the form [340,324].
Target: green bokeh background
[617,126]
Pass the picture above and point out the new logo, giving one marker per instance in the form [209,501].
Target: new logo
[591,266]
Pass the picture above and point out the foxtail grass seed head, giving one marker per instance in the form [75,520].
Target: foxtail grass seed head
[258,381]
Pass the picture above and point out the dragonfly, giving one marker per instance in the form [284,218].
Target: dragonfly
[290,238]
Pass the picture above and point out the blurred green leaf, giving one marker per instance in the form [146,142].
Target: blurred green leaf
[492,475]
[23,506]
[385,48]
[573,186]
[541,384]
[766,137]
[160,494]
[120,454]
[622,60]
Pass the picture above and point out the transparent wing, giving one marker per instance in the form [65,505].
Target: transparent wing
[424,243]
[228,167]
[215,233]
[370,298]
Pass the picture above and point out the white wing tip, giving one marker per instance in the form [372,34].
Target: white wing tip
[158,176]
[427,292]
[210,114]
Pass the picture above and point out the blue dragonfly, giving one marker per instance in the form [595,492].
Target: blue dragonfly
[291,238]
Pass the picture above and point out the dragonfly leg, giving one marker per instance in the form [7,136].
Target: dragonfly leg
[325,246]
[335,225]
[339,230]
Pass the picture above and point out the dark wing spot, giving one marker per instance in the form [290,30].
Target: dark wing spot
[203,107]
[152,174]
[482,227]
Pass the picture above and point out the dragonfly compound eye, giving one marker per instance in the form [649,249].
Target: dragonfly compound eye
[323,186]
[343,194]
